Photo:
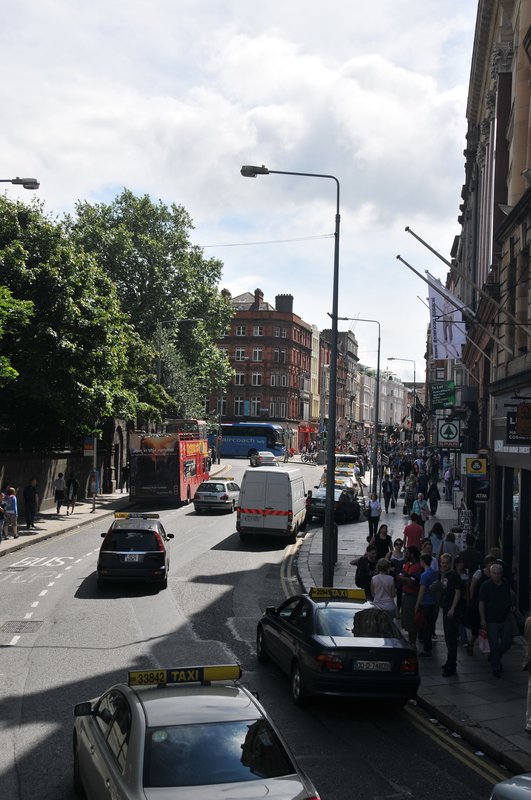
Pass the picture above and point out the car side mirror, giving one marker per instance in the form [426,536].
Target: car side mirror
[103,535]
[83,709]
[270,611]
[170,536]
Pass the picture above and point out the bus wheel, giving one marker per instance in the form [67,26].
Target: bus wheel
[188,499]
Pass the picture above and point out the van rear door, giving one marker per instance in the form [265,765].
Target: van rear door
[252,500]
[278,506]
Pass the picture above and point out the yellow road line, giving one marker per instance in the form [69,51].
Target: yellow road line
[456,749]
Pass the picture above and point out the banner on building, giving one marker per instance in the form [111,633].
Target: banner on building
[448,331]
[443,394]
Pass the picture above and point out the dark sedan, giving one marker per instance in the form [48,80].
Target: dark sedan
[346,506]
[135,548]
[330,643]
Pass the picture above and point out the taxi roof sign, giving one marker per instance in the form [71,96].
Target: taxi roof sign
[181,675]
[136,515]
[330,593]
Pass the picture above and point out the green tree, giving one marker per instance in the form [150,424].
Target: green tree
[14,315]
[162,280]
[72,361]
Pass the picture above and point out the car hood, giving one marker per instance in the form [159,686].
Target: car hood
[290,787]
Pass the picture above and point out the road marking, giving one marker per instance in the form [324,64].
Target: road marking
[453,746]
[52,583]
[28,616]
[44,591]
[35,604]
[14,640]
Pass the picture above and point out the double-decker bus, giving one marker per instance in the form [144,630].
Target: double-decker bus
[169,465]
[247,438]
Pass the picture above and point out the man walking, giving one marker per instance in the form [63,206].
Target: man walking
[495,605]
[452,590]
[31,501]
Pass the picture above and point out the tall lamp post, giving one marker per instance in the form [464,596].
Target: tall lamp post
[329,540]
[376,404]
[413,410]
[26,183]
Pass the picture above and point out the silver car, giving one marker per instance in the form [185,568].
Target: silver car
[222,494]
[515,788]
[174,733]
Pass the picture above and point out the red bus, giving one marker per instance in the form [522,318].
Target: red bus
[169,465]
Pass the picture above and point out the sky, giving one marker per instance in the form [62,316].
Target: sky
[171,97]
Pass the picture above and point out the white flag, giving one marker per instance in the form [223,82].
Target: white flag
[448,329]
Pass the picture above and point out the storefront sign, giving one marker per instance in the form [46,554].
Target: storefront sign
[448,433]
[476,467]
[443,394]
[513,434]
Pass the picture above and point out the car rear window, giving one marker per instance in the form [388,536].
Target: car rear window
[205,754]
[362,623]
[143,541]
[211,487]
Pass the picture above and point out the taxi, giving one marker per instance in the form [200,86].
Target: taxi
[135,548]
[220,494]
[334,642]
[184,732]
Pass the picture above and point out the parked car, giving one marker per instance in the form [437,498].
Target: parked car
[263,459]
[334,642]
[346,505]
[217,494]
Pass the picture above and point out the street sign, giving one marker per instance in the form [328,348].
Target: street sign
[448,433]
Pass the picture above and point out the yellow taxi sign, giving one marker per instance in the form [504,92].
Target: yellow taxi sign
[135,515]
[179,675]
[330,593]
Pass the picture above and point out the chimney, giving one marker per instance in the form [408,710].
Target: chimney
[284,303]
[258,299]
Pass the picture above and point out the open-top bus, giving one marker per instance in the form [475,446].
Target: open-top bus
[245,439]
[169,465]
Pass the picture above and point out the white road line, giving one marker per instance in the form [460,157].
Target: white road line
[28,616]
[14,640]
[35,604]
[77,560]
[89,554]
[44,591]
[68,568]
[52,583]
[60,575]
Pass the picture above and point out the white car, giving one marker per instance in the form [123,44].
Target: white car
[263,459]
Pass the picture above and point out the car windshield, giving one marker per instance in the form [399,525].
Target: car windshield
[211,487]
[130,540]
[204,754]
[362,623]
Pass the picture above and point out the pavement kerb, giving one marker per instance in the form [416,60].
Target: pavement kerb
[481,738]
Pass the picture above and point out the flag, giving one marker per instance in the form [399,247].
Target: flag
[448,329]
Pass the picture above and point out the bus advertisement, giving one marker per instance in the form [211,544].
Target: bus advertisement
[170,465]
[244,439]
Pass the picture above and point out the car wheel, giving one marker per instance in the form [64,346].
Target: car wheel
[233,507]
[297,688]
[261,652]
[100,582]
[244,537]
[78,786]
[252,453]
[198,510]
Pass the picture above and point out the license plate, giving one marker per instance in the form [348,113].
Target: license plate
[372,666]
[133,557]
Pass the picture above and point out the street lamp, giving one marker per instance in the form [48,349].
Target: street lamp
[329,542]
[27,183]
[376,404]
[413,410]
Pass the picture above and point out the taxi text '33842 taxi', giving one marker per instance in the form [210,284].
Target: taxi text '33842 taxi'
[187,732]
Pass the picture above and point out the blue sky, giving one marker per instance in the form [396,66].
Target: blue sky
[171,97]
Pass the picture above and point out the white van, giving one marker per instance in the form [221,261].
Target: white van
[272,501]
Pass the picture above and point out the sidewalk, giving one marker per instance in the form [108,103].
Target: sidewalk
[487,712]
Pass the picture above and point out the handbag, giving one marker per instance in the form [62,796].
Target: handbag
[483,641]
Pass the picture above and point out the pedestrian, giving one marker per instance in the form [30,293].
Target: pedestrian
[409,579]
[526,666]
[387,491]
[396,487]
[3,535]
[383,542]
[72,487]
[436,536]
[59,486]
[495,606]
[93,488]
[31,502]
[373,516]
[427,602]
[461,570]
[126,472]
[426,549]
[397,562]
[308,511]
[10,512]
[472,558]
[448,483]
[433,498]
[365,569]
[449,545]
[421,509]
[383,588]
[413,533]
[450,603]
[473,619]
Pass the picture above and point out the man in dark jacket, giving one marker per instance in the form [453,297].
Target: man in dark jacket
[495,605]
[451,604]
[472,558]
[31,501]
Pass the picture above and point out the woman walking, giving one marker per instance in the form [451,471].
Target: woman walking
[420,508]
[374,510]
[383,542]
[59,486]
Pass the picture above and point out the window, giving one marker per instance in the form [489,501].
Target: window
[238,406]
[118,738]
[222,406]
[255,406]
[240,330]
[239,354]
[276,355]
[283,333]
[239,379]
[258,330]
[284,380]
[105,710]
[277,408]
[224,350]
[257,353]
[256,378]
[440,374]
[276,332]
[282,356]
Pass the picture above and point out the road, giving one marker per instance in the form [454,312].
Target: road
[64,640]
